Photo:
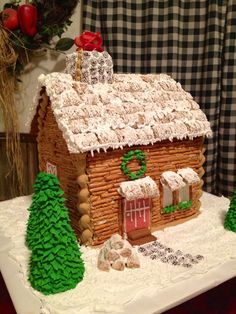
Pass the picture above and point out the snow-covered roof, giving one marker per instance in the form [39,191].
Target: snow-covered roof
[134,110]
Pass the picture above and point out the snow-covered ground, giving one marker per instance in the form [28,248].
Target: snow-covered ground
[114,291]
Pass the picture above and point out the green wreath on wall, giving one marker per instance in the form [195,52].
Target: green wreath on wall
[140,156]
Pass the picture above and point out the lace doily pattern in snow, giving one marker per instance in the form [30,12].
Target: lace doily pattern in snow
[165,254]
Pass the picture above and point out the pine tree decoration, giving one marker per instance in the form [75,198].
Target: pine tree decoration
[230,218]
[55,264]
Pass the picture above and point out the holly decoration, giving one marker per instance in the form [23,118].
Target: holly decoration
[230,218]
[55,263]
[36,25]
[140,156]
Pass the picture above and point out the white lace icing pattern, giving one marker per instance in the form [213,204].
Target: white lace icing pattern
[95,66]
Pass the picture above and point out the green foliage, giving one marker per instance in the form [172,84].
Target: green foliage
[181,206]
[64,44]
[169,209]
[230,218]
[55,264]
[185,205]
[140,156]
[12,5]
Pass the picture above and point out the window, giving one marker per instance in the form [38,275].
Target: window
[177,189]
[50,168]
[167,199]
[184,193]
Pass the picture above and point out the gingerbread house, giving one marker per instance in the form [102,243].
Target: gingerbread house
[127,148]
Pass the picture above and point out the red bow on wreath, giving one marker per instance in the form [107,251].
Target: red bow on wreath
[89,41]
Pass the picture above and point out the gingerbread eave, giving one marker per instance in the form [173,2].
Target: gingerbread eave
[90,176]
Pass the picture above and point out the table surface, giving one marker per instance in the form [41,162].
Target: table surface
[168,292]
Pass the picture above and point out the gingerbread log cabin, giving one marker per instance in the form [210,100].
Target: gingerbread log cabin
[127,148]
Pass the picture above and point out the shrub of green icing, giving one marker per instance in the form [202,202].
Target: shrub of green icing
[230,218]
[55,263]
[169,209]
[185,205]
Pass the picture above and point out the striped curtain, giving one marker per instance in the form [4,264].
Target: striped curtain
[195,43]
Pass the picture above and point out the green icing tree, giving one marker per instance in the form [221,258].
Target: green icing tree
[230,218]
[55,264]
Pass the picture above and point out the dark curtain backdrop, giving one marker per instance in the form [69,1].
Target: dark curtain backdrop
[195,43]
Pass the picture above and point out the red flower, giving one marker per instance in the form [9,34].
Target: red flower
[89,41]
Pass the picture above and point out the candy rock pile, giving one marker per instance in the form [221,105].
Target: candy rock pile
[117,253]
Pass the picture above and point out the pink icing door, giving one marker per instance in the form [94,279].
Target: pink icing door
[136,214]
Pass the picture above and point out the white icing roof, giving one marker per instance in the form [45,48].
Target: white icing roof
[134,110]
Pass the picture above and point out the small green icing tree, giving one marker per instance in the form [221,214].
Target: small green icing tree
[230,218]
[55,264]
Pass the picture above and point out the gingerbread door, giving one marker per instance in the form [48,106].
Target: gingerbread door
[136,214]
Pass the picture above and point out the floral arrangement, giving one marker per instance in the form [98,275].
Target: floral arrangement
[24,28]
[32,25]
